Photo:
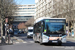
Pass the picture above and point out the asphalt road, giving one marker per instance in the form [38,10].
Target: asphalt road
[30,45]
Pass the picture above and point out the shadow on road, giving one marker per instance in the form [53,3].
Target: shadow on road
[69,43]
[0,44]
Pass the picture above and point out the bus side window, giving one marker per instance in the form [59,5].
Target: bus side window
[39,27]
[34,28]
[43,25]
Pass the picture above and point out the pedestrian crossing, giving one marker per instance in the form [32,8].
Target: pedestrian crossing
[23,42]
[20,40]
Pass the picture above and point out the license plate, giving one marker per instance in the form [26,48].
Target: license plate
[54,41]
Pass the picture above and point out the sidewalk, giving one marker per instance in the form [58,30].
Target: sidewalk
[71,38]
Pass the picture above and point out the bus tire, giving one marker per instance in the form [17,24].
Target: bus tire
[35,41]
[27,36]
[41,43]
[59,44]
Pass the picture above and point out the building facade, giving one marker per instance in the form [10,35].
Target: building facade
[23,14]
[57,9]
[53,8]
[43,8]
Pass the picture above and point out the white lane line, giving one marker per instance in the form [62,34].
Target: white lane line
[24,42]
[17,42]
[31,41]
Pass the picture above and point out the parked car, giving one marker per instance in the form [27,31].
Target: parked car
[22,32]
[19,32]
[16,32]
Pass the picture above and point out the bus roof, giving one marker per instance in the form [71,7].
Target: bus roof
[42,18]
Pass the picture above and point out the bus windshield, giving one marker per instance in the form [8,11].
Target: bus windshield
[53,27]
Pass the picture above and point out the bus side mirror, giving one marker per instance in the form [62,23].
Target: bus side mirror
[66,24]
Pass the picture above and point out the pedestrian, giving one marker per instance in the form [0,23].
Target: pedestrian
[72,33]
[69,32]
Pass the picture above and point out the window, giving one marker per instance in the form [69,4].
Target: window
[25,8]
[29,8]
[37,28]
[20,9]
[66,24]
[27,19]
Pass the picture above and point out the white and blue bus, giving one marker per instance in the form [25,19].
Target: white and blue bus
[50,30]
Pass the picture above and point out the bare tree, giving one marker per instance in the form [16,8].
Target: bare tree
[30,22]
[6,10]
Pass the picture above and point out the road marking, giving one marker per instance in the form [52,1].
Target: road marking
[17,42]
[24,42]
[31,41]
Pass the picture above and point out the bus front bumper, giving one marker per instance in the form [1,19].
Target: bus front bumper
[54,41]
[31,35]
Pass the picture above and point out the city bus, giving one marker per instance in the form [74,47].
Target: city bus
[50,30]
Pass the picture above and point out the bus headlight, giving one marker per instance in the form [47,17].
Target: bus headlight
[60,38]
[44,36]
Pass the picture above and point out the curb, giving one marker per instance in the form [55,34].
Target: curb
[71,38]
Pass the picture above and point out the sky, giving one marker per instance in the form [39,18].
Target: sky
[23,2]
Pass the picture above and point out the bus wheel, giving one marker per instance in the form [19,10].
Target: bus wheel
[35,41]
[41,43]
[27,36]
[59,44]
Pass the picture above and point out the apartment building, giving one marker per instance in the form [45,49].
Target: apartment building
[43,8]
[53,8]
